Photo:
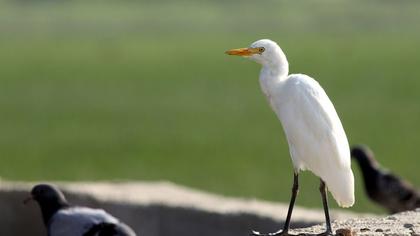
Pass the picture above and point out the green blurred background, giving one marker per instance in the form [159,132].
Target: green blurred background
[142,90]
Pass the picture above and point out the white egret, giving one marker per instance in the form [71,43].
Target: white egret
[316,138]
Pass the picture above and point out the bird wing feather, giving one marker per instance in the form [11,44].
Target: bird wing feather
[315,134]
[312,123]
[77,220]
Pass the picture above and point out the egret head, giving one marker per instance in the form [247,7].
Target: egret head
[265,52]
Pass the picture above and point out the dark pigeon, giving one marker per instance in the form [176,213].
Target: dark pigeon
[383,187]
[61,219]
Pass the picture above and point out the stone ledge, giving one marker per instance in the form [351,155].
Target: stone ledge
[401,224]
[159,209]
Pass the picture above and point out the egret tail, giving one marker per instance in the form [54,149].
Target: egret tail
[340,183]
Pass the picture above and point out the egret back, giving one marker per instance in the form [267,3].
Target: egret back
[317,141]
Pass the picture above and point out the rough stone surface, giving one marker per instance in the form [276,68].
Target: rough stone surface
[165,209]
[402,224]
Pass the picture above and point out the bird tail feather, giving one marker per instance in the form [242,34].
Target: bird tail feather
[341,186]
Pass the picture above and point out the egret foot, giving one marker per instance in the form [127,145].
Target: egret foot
[285,231]
[278,233]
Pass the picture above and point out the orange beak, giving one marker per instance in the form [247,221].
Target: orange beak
[243,52]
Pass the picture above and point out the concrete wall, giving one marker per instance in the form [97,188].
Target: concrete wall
[155,209]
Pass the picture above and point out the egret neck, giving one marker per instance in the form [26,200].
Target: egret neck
[273,72]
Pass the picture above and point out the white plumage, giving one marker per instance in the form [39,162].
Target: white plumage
[316,138]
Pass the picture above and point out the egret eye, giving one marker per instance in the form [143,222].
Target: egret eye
[261,49]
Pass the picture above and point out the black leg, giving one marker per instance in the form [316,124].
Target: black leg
[295,191]
[286,226]
[323,190]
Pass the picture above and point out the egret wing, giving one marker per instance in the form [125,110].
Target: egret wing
[315,134]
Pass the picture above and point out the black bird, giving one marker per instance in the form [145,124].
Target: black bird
[383,187]
[61,219]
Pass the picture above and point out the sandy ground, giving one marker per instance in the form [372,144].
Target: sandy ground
[402,224]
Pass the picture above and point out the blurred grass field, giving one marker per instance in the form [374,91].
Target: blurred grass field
[122,90]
